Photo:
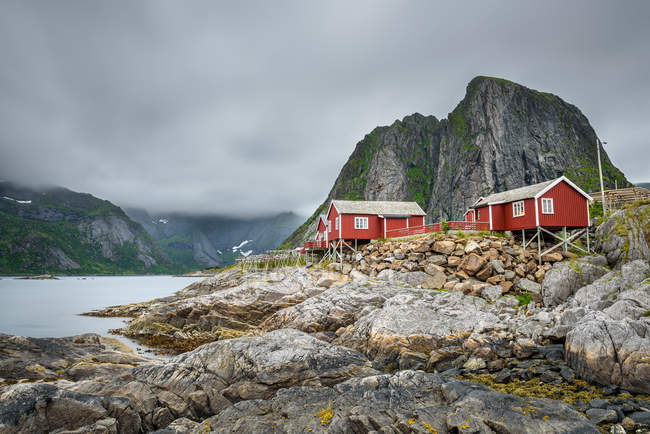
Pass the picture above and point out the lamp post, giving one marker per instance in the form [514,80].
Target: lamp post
[600,171]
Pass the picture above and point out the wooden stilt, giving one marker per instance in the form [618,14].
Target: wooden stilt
[539,246]
[587,240]
[523,240]
[564,237]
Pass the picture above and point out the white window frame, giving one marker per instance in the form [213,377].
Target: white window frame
[547,205]
[478,215]
[336,223]
[329,226]
[361,223]
[518,209]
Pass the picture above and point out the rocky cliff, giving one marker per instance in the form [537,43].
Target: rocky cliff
[502,135]
[58,230]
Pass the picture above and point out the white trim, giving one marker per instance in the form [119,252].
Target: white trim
[536,213]
[498,202]
[588,217]
[551,207]
[557,181]
[340,228]
[407,222]
[490,212]
[384,226]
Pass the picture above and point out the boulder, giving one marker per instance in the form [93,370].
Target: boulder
[444,246]
[436,281]
[438,259]
[532,288]
[472,263]
[610,351]
[565,278]
[554,256]
[472,247]
[497,265]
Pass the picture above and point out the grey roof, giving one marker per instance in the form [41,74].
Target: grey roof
[378,207]
[516,194]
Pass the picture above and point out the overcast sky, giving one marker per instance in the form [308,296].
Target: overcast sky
[246,107]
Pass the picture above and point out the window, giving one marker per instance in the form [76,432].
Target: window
[336,223]
[361,222]
[547,205]
[478,215]
[518,209]
[329,226]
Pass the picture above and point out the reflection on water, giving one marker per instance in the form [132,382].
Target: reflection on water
[51,308]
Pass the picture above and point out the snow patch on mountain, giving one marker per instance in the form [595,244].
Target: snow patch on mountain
[17,201]
[242,244]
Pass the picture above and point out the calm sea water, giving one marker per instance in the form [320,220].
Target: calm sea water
[51,308]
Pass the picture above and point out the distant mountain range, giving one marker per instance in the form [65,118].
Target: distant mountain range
[643,184]
[56,230]
[208,241]
[502,135]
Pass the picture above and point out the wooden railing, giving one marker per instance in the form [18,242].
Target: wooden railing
[316,244]
[437,227]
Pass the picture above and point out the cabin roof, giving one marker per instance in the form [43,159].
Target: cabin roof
[378,207]
[527,192]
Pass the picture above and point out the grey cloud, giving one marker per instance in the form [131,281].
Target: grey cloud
[253,107]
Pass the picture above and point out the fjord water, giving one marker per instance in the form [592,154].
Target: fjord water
[51,308]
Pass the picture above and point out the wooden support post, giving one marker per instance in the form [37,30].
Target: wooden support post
[588,239]
[564,238]
[523,240]
[341,257]
[539,246]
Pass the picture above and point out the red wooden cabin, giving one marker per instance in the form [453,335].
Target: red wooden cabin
[368,220]
[554,204]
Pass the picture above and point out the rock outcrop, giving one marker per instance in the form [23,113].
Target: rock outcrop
[611,351]
[625,235]
[407,401]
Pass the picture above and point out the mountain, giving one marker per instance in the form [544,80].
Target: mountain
[502,135]
[56,230]
[208,241]
[643,184]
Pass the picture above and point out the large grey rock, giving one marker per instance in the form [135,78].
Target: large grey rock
[335,308]
[76,357]
[43,408]
[419,323]
[611,352]
[532,288]
[566,277]
[407,401]
[226,312]
[623,237]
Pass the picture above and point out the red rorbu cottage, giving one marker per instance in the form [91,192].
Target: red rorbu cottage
[350,220]
[552,205]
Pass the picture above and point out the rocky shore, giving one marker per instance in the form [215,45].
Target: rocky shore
[445,333]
